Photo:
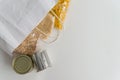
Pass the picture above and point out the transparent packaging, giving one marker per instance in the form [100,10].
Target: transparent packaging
[46,32]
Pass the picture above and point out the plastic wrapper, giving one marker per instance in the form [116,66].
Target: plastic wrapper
[59,11]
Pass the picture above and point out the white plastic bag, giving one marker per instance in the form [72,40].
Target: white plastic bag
[18,18]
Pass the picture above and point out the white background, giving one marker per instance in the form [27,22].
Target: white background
[88,48]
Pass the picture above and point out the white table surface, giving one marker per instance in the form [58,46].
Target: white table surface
[88,48]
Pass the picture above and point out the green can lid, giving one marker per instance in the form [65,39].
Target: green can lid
[22,64]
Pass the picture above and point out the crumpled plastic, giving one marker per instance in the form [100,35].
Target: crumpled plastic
[18,18]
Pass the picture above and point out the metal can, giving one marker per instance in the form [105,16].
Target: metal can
[22,63]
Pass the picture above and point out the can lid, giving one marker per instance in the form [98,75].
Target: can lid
[22,64]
